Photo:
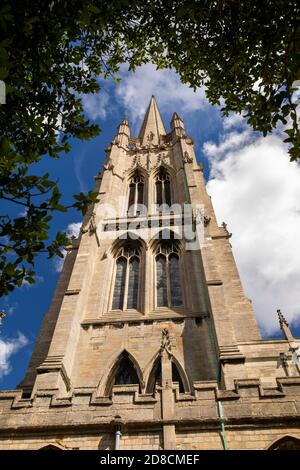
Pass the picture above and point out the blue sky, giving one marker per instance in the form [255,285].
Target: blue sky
[254,189]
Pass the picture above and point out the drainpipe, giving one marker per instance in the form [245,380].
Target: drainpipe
[223,430]
[118,436]
[117,425]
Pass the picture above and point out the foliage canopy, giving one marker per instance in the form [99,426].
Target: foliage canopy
[245,52]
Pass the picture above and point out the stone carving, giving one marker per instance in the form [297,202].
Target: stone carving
[187,158]
[161,159]
[150,137]
[224,225]
[165,341]
[136,164]
[206,221]
[90,225]
[108,165]
[200,218]
[135,161]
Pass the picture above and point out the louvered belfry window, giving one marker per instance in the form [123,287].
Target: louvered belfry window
[163,189]
[168,285]
[136,195]
[126,287]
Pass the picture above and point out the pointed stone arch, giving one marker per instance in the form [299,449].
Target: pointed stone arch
[154,375]
[107,380]
[163,165]
[168,268]
[165,234]
[152,372]
[182,374]
[138,248]
[286,442]
[162,185]
[130,238]
[137,168]
[137,190]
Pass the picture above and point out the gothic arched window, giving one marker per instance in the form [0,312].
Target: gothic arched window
[177,378]
[124,372]
[168,285]
[154,377]
[136,195]
[163,189]
[286,443]
[126,287]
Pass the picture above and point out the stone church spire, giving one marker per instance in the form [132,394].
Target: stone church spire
[153,125]
[149,328]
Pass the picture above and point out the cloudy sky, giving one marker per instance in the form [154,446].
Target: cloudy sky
[254,189]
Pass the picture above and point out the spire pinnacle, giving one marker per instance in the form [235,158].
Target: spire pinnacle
[123,134]
[177,125]
[153,125]
[284,326]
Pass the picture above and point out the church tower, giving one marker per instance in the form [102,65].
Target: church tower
[150,341]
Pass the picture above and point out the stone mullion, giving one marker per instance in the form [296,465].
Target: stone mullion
[126,285]
[168,282]
[135,198]
[163,195]
[146,279]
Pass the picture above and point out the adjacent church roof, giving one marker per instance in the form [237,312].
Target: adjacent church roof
[153,125]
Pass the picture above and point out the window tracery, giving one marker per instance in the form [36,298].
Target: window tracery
[163,189]
[168,284]
[126,287]
[136,195]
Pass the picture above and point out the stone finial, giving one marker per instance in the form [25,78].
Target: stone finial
[284,326]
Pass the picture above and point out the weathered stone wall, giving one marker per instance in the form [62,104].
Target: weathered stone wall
[253,417]
[212,338]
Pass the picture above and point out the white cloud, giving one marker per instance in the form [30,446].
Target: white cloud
[59,262]
[96,105]
[228,142]
[233,121]
[8,347]
[72,230]
[136,88]
[255,189]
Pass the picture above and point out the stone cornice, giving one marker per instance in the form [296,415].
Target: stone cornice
[182,425]
[136,318]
